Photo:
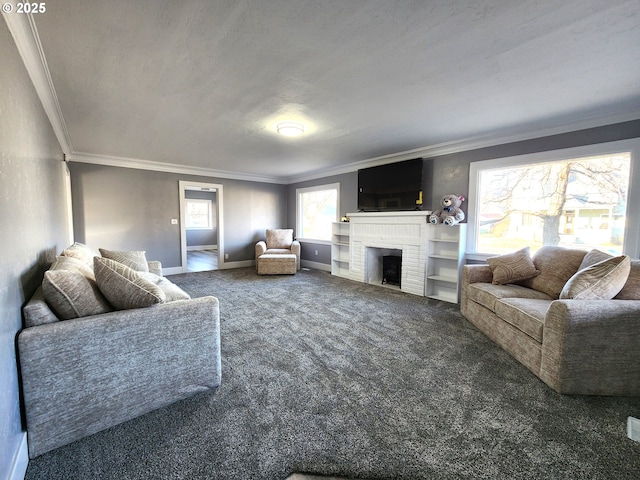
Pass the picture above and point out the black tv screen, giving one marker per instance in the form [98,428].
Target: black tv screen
[391,187]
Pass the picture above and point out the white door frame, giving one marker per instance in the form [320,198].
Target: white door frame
[183,226]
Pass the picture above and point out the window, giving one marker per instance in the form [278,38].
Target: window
[576,198]
[317,208]
[199,214]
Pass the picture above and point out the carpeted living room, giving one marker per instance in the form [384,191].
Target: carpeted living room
[301,240]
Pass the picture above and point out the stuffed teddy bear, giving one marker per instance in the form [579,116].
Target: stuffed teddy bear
[450,213]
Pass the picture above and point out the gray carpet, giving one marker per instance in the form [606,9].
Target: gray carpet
[330,377]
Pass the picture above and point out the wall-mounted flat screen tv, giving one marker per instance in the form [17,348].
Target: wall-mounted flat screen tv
[391,187]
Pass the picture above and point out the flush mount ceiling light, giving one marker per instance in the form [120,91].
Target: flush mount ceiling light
[290,129]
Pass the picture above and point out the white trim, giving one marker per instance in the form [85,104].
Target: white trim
[315,188]
[25,35]
[171,271]
[632,230]
[66,178]
[315,265]
[201,247]
[238,264]
[316,242]
[18,468]
[125,162]
[183,186]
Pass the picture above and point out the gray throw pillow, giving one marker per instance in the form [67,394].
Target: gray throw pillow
[512,267]
[600,281]
[137,259]
[81,252]
[123,286]
[70,294]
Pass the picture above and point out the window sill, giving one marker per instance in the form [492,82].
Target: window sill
[311,240]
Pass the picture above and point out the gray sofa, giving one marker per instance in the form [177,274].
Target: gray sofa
[580,345]
[82,375]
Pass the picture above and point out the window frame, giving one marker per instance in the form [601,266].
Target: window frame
[631,242]
[209,204]
[299,209]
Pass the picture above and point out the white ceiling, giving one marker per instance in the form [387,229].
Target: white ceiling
[202,83]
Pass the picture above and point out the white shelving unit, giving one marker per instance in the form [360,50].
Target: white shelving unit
[340,257]
[445,257]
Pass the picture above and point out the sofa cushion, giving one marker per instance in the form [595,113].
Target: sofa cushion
[279,238]
[136,259]
[171,291]
[37,311]
[486,294]
[124,287]
[277,251]
[600,281]
[631,289]
[81,252]
[70,294]
[512,267]
[526,314]
[557,265]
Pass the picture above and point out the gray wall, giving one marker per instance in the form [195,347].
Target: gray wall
[197,238]
[34,222]
[128,209]
[348,203]
[450,173]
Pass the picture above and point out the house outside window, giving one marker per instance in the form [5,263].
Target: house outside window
[573,201]
[199,215]
[317,207]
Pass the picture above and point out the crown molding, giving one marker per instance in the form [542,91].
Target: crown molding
[471,143]
[25,35]
[167,167]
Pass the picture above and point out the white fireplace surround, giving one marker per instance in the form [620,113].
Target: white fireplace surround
[404,231]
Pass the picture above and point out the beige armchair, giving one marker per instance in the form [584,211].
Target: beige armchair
[274,255]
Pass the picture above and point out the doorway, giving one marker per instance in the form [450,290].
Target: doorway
[201,226]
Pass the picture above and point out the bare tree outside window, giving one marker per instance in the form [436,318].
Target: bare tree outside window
[318,213]
[576,202]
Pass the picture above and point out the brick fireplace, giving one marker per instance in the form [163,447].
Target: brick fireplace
[376,234]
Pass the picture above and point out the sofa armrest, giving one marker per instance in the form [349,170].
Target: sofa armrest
[261,248]
[155,266]
[472,274]
[83,375]
[592,347]
[295,249]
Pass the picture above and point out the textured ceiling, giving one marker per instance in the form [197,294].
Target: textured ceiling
[202,83]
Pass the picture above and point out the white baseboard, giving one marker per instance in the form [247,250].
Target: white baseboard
[315,265]
[202,247]
[172,271]
[20,460]
[240,264]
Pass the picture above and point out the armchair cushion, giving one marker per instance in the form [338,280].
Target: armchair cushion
[279,238]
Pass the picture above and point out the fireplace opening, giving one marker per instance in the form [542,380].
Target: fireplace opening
[391,269]
[376,270]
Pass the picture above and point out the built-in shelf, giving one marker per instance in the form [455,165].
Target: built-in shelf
[340,255]
[445,257]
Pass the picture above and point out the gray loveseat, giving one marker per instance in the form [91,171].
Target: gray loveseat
[82,375]
[580,345]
